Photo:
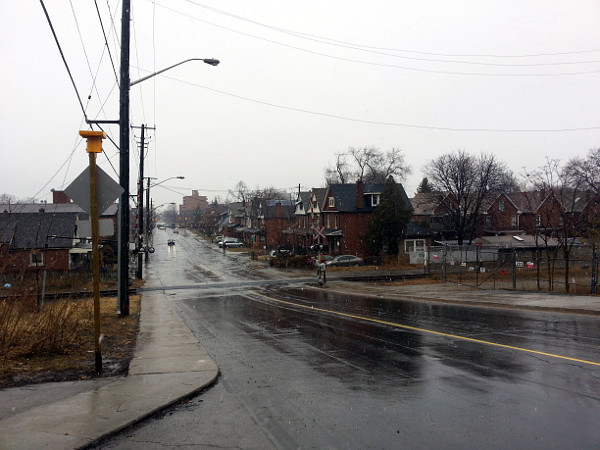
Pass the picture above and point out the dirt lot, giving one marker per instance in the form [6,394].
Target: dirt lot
[73,358]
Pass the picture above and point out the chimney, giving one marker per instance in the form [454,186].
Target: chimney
[60,197]
[360,194]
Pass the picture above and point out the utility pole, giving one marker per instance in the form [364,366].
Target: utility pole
[139,240]
[147,228]
[123,232]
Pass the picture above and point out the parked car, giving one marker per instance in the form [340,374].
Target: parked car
[231,243]
[345,260]
[171,242]
[312,260]
[280,252]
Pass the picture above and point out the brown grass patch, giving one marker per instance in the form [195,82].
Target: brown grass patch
[57,343]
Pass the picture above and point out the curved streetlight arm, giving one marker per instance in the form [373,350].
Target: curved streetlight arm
[164,181]
[212,62]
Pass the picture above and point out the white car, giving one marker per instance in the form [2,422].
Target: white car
[231,243]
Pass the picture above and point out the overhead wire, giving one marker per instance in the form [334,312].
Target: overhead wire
[64,59]
[93,76]
[357,61]
[139,75]
[393,124]
[112,63]
[378,50]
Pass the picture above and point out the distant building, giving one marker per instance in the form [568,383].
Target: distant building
[193,202]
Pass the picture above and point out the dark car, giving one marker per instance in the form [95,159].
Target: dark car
[345,260]
[170,242]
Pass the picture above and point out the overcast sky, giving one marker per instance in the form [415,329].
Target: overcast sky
[298,82]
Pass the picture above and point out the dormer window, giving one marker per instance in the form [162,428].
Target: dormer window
[331,202]
[374,199]
[501,205]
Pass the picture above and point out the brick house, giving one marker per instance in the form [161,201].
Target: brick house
[500,216]
[308,219]
[37,241]
[54,236]
[346,213]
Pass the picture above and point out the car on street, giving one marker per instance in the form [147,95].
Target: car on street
[231,243]
[176,231]
[345,260]
[280,252]
[171,242]
[312,260]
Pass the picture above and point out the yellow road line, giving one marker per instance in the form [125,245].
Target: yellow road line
[424,330]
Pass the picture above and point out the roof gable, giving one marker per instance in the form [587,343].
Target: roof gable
[42,230]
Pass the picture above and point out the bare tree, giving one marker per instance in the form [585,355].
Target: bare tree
[464,182]
[341,172]
[586,170]
[8,199]
[368,164]
[239,193]
[383,165]
[559,214]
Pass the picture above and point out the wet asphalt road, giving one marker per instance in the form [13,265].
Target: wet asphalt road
[303,369]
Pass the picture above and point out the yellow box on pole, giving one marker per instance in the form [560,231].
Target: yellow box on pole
[94,140]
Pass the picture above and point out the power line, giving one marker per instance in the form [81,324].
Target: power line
[392,124]
[64,60]
[106,42]
[377,50]
[356,61]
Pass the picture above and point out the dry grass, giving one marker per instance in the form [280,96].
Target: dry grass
[57,343]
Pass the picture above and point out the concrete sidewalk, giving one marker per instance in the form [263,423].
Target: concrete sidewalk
[169,364]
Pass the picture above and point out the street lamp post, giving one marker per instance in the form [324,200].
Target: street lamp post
[125,85]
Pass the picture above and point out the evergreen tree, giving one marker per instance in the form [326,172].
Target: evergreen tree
[424,187]
[390,219]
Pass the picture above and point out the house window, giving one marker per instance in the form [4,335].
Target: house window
[561,221]
[331,202]
[414,245]
[501,205]
[538,220]
[374,199]
[36,259]
[513,222]
[488,221]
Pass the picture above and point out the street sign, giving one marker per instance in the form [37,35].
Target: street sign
[317,233]
[108,190]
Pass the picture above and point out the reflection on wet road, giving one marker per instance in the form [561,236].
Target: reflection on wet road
[306,369]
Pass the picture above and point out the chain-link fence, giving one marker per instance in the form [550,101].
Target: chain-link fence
[542,269]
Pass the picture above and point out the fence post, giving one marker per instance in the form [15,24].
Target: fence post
[594,269]
[514,269]
[444,274]
[477,266]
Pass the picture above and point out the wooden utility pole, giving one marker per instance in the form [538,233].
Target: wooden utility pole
[123,234]
[94,146]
